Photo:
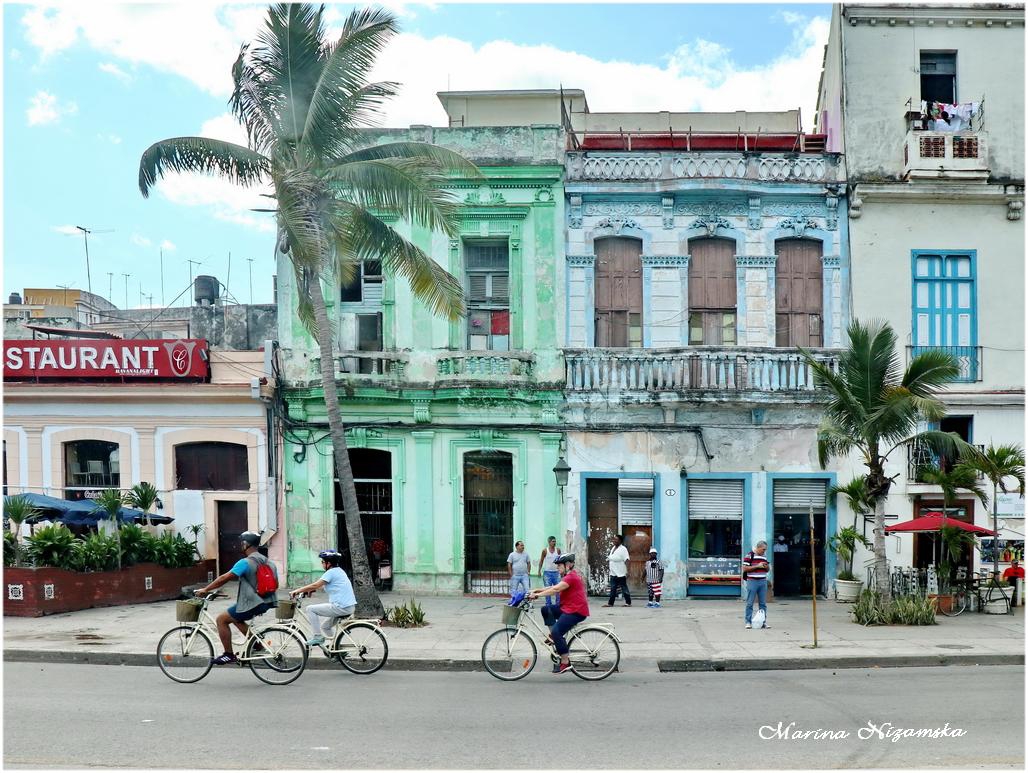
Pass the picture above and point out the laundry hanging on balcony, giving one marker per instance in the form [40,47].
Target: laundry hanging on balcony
[943,117]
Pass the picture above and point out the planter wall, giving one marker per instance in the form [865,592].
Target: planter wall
[31,592]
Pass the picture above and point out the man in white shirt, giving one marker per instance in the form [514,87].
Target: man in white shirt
[617,563]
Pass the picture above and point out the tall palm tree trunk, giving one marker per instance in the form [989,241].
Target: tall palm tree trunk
[995,529]
[368,602]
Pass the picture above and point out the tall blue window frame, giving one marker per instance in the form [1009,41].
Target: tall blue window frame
[945,306]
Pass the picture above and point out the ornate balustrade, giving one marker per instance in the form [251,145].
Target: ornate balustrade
[694,368]
[485,365]
[374,365]
[622,166]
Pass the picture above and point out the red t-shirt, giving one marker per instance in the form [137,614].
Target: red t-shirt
[1014,571]
[573,599]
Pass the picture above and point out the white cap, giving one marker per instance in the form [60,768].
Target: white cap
[653,550]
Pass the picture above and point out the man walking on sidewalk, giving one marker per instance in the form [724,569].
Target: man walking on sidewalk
[617,563]
[754,573]
[654,578]
[519,565]
[548,569]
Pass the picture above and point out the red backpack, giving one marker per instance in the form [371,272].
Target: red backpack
[267,581]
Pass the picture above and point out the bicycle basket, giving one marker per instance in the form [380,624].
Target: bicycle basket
[188,611]
[285,610]
[511,615]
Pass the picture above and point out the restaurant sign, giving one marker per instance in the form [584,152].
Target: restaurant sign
[91,358]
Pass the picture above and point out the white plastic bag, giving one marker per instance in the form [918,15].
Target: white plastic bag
[759,618]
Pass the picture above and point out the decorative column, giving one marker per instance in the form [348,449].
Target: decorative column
[581,329]
[424,500]
[756,299]
[665,300]
[831,288]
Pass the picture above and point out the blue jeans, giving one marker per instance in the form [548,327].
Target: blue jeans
[552,578]
[519,579]
[755,589]
[559,624]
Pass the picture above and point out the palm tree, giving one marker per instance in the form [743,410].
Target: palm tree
[17,510]
[997,463]
[304,101]
[142,496]
[873,408]
[111,501]
[856,496]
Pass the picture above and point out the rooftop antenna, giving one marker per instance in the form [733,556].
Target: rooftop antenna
[110,287]
[126,290]
[191,264]
[65,288]
[228,278]
[85,238]
[162,277]
[249,270]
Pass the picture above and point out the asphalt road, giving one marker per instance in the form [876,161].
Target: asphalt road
[134,717]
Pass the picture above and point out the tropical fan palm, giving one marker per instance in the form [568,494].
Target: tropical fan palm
[17,510]
[998,464]
[111,501]
[874,406]
[143,496]
[304,102]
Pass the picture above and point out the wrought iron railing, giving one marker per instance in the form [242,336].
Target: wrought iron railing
[969,359]
[920,456]
[693,368]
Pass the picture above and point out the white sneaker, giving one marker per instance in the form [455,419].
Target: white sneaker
[314,641]
[748,625]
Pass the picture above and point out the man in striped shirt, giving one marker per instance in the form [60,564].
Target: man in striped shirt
[754,574]
[654,578]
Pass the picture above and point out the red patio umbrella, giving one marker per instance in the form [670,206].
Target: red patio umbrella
[930,522]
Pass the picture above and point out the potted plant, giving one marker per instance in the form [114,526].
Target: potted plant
[844,544]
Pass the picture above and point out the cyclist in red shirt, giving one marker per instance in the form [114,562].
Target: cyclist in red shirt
[573,607]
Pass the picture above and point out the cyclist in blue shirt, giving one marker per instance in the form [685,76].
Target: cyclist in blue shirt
[341,600]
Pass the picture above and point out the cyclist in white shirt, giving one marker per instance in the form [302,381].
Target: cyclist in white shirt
[341,600]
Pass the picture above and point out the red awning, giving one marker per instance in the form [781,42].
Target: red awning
[933,522]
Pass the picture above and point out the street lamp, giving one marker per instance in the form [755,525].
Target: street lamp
[561,471]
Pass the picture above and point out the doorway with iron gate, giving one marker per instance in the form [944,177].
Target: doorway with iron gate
[373,480]
[488,521]
[232,522]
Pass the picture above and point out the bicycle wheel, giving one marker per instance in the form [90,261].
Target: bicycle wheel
[185,654]
[361,648]
[594,653]
[284,657]
[957,605]
[509,654]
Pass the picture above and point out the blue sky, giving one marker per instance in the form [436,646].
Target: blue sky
[87,89]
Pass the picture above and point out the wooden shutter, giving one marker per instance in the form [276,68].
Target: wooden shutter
[712,276]
[799,494]
[618,288]
[635,501]
[798,293]
[716,499]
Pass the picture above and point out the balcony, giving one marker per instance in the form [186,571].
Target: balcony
[919,456]
[969,359]
[634,166]
[377,366]
[516,366]
[931,155]
[694,369]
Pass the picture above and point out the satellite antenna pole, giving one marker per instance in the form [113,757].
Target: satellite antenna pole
[65,288]
[191,263]
[162,277]
[85,239]
[249,270]
[110,287]
[228,279]
[126,289]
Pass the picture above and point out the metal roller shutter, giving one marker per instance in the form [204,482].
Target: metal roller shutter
[800,494]
[715,499]
[635,501]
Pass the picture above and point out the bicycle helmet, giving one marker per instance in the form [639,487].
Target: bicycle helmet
[331,557]
[567,558]
[250,538]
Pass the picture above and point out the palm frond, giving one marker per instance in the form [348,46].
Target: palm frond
[930,370]
[360,235]
[833,442]
[870,363]
[200,154]
[253,105]
[997,463]
[450,161]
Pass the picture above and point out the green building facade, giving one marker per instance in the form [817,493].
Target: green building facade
[453,427]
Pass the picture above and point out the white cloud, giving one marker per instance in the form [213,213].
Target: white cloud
[46,108]
[113,69]
[140,241]
[66,229]
[114,139]
[168,246]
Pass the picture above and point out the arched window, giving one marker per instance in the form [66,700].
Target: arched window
[798,301]
[212,467]
[90,465]
[712,296]
[618,292]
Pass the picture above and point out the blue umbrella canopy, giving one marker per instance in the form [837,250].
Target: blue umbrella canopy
[83,512]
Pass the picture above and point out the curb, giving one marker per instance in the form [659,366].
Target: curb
[663,666]
[799,664]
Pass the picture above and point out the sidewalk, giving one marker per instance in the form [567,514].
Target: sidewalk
[688,635]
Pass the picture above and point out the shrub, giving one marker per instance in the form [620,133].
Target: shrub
[133,546]
[869,609]
[409,615]
[52,546]
[172,551]
[96,553]
[10,549]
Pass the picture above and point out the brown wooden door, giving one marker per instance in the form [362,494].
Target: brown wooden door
[231,523]
[618,292]
[638,540]
[798,299]
[712,292]
[601,512]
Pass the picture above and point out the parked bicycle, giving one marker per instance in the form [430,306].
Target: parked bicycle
[358,645]
[511,653]
[185,654]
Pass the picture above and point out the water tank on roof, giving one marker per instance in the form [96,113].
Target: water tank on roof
[205,290]
[14,299]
